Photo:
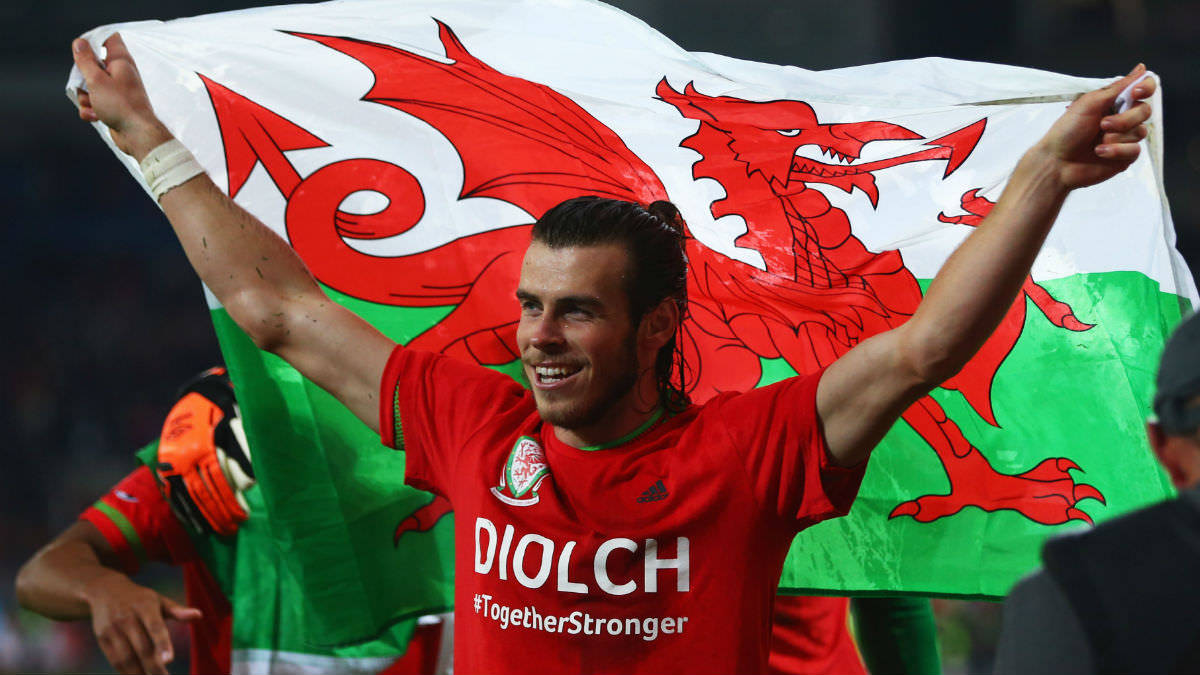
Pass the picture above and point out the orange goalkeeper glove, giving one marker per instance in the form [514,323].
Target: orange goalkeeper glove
[203,460]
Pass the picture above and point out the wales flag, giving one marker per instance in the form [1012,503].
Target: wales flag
[404,149]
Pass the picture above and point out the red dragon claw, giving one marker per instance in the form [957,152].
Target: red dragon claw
[1057,312]
[1048,493]
[1065,465]
[1084,491]
[905,509]
[1054,468]
[959,220]
[929,508]
[409,524]
[1076,514]
[1071,323]
[972,202]
[423,519]
[976,208]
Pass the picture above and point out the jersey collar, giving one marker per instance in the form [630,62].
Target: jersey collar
[658,413]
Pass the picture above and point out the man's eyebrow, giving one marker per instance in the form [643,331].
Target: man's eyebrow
[589,301]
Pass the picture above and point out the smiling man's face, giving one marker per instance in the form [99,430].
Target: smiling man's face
[578,343]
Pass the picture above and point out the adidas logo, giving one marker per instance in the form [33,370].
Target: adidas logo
[656,492]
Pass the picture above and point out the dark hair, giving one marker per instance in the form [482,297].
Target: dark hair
[654,238]
[1177,395]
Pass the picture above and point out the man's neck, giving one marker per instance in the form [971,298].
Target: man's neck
[607,439]
[624,420]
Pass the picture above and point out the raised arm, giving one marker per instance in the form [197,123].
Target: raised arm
[262,283]
[76,576]
[862,394]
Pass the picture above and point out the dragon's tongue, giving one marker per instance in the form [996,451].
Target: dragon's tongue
[954,147]
[920,155]
[827,171]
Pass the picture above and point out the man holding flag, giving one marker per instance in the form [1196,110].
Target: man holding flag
[615,527]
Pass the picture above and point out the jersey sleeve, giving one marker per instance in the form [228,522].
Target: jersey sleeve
[430,404]
[777,433]
[138,524]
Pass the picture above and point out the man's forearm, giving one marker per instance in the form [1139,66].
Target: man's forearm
[1089,144]
[55,582]
[977,284]
[269,292]
[250,269]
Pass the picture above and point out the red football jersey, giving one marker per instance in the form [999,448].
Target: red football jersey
[139,525]
[658,554]
[810,636]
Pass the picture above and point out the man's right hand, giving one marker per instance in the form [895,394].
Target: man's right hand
[257,277]
[130,624]
[116,97]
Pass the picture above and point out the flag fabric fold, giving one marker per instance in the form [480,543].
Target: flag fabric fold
[404,148]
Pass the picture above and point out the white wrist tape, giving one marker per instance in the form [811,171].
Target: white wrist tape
[167,166]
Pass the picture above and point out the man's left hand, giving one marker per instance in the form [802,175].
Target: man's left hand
[1089,143]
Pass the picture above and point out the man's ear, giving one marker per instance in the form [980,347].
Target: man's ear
[659,325]
[1157,438]
[1168,455]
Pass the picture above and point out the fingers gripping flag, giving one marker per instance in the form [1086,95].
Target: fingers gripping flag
[404,149]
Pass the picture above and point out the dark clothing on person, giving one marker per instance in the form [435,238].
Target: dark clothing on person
[1122,598]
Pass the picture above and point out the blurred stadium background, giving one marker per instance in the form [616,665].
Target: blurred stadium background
[108,319]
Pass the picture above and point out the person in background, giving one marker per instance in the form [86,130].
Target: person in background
[1124,597]
[810,635]
[193,503]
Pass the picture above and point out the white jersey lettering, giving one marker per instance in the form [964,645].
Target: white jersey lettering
[482,565]
[679,563]
[600,565]
[489,559]
[547,564]
[565,585]
[504,544]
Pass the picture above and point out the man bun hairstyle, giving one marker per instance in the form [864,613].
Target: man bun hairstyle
[654,237]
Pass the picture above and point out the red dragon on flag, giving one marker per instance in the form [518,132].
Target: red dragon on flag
[821,291]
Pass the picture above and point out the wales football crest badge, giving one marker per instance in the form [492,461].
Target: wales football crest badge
[522,474]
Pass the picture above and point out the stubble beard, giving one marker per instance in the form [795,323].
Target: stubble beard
[586,413]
